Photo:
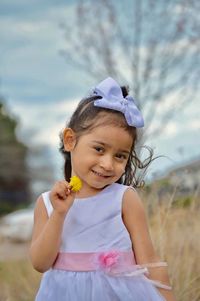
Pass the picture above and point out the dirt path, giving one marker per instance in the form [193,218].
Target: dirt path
[13,250]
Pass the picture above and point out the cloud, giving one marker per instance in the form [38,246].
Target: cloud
[43,90]
[195,124]
[19,9]
[171,129]
[31,68]
[44,121]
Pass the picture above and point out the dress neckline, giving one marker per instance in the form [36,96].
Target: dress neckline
[95,195]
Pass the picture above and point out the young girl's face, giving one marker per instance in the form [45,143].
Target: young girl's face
[100,156]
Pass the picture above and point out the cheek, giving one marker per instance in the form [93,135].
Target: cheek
[83,160]
[121,168]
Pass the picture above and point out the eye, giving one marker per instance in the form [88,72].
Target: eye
[98,149]
[121,156]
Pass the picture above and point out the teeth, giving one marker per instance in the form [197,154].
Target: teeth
[98,173]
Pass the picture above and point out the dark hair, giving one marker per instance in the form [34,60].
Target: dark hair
[87,117]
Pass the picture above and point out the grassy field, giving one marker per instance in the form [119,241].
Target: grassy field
[18,281]
[175,232]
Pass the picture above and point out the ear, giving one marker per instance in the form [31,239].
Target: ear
[69,139]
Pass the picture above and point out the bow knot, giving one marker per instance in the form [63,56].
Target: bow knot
[112,98]
[124,102]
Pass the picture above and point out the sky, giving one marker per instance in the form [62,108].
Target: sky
[42,89]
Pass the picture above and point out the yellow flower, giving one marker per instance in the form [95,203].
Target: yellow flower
[75,183]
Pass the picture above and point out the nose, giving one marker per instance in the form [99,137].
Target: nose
[106,163]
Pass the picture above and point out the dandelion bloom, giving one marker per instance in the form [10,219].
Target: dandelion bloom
[75,183]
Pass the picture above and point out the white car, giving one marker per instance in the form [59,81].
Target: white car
[17,225]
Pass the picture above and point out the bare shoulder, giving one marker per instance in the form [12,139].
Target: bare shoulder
[40,217]
[134,218]
[133,211]
[132,203]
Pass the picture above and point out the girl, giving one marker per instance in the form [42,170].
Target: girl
[94,245]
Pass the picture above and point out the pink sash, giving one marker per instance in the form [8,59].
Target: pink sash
[94,260]
[113,263]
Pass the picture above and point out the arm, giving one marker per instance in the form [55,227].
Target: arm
[134,218]
[47,231]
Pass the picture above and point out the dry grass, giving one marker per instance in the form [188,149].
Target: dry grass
[18,281]
[175,232]
[177,241]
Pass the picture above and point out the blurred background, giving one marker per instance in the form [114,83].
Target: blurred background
[52,53]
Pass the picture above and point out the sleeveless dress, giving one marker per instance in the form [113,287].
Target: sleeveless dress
[96,261]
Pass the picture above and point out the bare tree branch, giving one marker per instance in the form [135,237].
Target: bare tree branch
[152,45]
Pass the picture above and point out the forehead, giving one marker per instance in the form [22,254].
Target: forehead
[111,135]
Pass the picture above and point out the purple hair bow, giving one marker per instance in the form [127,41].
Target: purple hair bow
[112,98]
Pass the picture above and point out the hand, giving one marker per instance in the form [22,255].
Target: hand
[61,196]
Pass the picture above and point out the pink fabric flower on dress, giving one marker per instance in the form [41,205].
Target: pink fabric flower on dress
[107,260]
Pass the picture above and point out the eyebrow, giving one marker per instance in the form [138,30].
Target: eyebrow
[105,144]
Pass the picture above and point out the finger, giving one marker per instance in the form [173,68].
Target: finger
[70,197]
[64,189]
[60,190]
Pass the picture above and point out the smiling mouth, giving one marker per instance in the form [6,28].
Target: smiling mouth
[99,174]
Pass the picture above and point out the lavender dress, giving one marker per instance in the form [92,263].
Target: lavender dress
[95,225]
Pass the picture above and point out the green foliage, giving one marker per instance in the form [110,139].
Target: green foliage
[8,126]
[14,182]
[165,182]
[183,202]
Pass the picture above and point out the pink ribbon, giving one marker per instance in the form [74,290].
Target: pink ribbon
[105,261]
[113,262]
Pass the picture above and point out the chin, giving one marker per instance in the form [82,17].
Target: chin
[103,186]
